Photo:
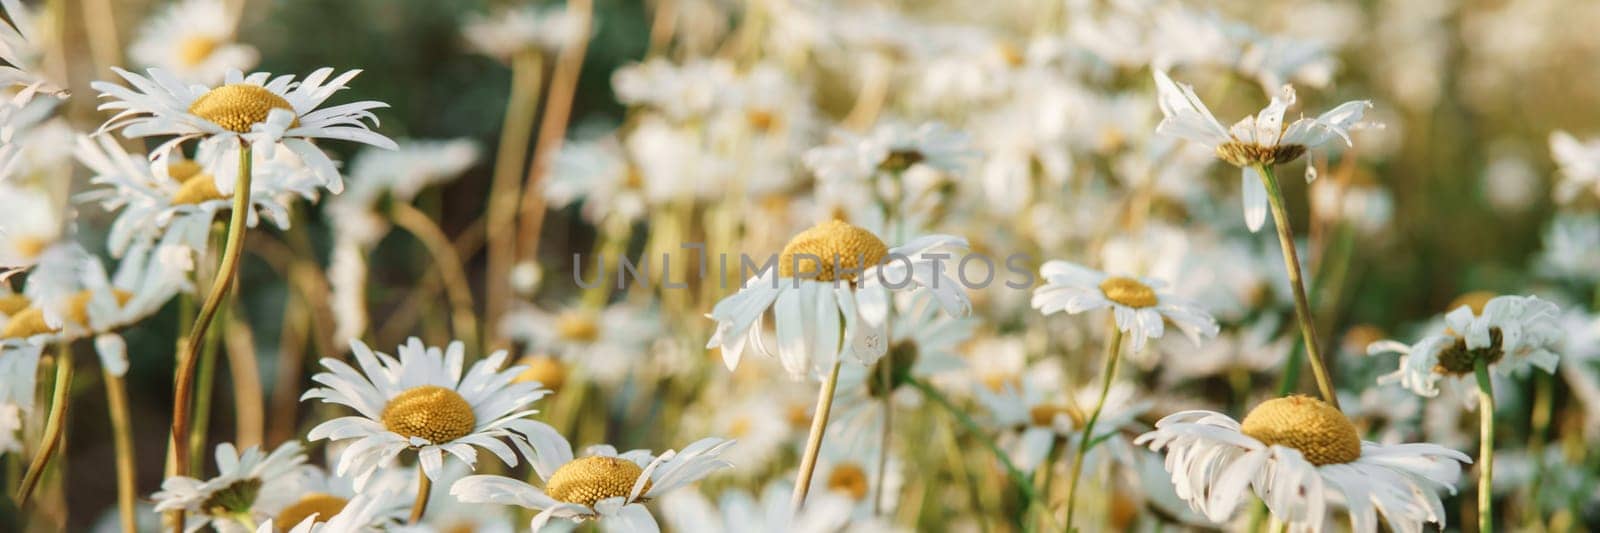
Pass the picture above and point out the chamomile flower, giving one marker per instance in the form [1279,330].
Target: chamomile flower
[193,39]
[1508,334]
[830,271]
[514,31]
[320,498]
[1035,418]
[422,403]
[603,485]
[259,109]
[890,149]
[20,41]
[1140,306]
[1255,141]
[1301,456]
[609,343]
[31,220]
[1571,248]
[597,173]
[850,470]
[245,484]
[1580,165]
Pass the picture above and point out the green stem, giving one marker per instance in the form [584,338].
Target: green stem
[1485,448]
[1113,354]
[188,360]
[1302,304]
[1017,477]
[1543,404]
[206,379]
[53,429]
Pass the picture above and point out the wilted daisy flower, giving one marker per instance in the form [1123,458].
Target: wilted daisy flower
[193,39]
[258,109]
[1580,165]
[1301,455]
[1139,305]
[830,270]
[244,485]
[174,201]
[1256,141]
[603,485]
[523,29]
[421,402]
[609,343]
[71,296]
[1508,334]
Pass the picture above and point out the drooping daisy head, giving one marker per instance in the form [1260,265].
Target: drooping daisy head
[1140,306]
[1506,334]
[259,109]
[830,280]
[245,487]
[421,402]
[604,485]
[193,39]
[1301,455]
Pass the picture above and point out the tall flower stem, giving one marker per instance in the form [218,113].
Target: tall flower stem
[522,106]
[819,425]
[1024,487]
[183,395]
[122,441]
[1302,304]
[552,128]
[54,426]
[457,287]
[1113,354]
[1485,448]
[424,487]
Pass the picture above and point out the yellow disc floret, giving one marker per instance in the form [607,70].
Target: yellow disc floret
[198,188]
[431,412]
[813,253]
[194,50]
[545,370]
[849,479]
[237,107]
[321,505]
[577,326]
[591,479]
[1317,430]
[1129,292]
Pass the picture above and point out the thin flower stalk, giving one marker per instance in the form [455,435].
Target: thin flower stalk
[1302,304]
[1113,355]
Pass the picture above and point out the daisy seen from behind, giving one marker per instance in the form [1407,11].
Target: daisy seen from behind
[1507,335]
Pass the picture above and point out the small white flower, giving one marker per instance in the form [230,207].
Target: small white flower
[890,149]
[1580,165]
[194,39]
[244,485]
[1301,456]
[1509,334]
[515,31]
[1259,140]
[421,402]
[610,344]
[604,485]
[830,272]
[1140,306]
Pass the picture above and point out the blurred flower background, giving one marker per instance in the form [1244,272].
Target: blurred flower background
[496,167]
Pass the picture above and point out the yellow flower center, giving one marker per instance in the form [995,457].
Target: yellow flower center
[1249,154]
[197,188]
[195,49]
[29,246]
[11,303]
[545,370]
[577,326]
[762,120]
[1319,431]
[739,427]
[591,479]
[431,412]
[321,505]
[998,381]
[1129,292]
[238,107]
[30,320]
[849,479]
[1045,414]
[815,251]
[1475,300]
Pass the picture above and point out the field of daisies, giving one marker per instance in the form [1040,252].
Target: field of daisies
[799,266]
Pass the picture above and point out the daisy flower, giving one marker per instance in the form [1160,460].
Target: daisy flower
[1301,455]
[833,269]
[193,39]
[1579,162]
[597,173]
[851,470]
[1571,248]
[244,485]
[1035,417]
[520,30]
[603,485]
[890,149]
[1508,334]
[1140,306]
[608,343]
[174,201]
[320,498]
[1256,141]
[421,403]
[31,220]
[740,511]
[258,109]
[19,49]
[924,345]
